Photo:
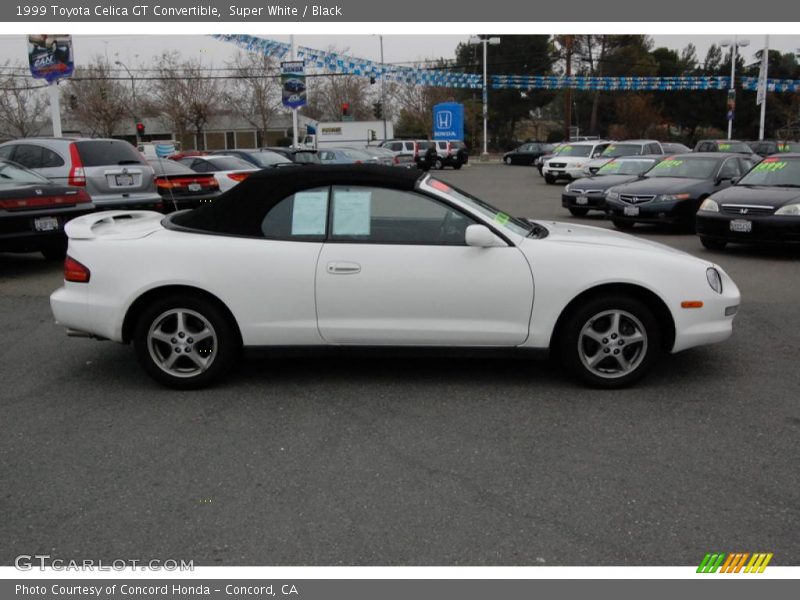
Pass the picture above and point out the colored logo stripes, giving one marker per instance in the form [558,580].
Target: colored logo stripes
[735,562]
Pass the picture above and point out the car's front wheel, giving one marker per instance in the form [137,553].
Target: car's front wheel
[438,165]
[624,225]
[186,342]
[610,342]
[507,160]
[549,179]
[713,244]
[578,212]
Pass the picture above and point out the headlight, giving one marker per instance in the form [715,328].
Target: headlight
[567,187]
[709,205]
[612,195]
[790,210]
[714,279]
[672,197]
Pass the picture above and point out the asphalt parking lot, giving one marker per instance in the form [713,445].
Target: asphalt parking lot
[407,461]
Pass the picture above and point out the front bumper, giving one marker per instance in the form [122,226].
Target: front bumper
[589,201]
[567,172]
[765,229]
[669,213]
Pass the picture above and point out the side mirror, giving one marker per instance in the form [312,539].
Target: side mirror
[481,236]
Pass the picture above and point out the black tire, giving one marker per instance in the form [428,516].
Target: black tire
[224,347]
[624,225]
[578,212]
[438,164]
[549,179]
[55,251]
[458,165]
[576,349]
[507,160]
[713,244]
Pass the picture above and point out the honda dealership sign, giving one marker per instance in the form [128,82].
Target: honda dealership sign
[293,83]
[448,121]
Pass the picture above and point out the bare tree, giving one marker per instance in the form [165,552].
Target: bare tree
[415,105]
[22,104]
[255,93]
[95,99]
[183,95]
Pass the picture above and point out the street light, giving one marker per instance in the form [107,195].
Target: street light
[494,41]
[133,94]
[736,43]
[383,91]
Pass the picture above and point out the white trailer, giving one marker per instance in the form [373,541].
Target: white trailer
[346,133]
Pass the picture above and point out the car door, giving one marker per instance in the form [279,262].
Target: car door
[395,270]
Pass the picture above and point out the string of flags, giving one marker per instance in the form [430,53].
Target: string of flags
[333,62]
[773,85]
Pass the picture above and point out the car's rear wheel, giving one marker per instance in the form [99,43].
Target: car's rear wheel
[186,342]
[713,244]
[438,165]
[610,342]
[624,225]
[578,212]
[457,165]
[507,160]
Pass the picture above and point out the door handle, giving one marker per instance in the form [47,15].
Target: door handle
[343,268]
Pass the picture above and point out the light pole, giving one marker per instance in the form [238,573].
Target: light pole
[383,92]
[133,97]
[735,44]
[476,39]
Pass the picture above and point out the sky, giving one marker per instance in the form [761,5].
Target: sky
[138,50]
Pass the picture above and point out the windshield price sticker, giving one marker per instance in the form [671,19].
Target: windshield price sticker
[771,164]
[612,166]
[668,164]
[724,147]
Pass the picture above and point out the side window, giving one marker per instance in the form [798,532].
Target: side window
[50,159]
[654,149]
[706,147]
[326,155]
[6,152]
[303,216]
[28,156]
[386,216]
[729,169]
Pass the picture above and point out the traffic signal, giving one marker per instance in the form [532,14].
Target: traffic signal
[377,110]
[140,129]
[345,109]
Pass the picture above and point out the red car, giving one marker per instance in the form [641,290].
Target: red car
[181,187]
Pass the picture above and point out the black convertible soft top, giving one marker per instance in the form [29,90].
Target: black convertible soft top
[241,210]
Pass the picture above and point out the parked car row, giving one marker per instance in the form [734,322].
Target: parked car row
[725,197]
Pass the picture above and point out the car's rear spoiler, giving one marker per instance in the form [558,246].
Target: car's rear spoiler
[119,224]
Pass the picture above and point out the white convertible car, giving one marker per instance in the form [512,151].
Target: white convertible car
[375,256]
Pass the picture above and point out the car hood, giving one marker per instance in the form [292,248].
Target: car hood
[601,182]
[767,195]
[567,233]
[664,185]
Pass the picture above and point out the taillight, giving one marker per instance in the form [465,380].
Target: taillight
[397,160]
[164,184]
[77,176]
[82,196]
[238,176]
[75,271]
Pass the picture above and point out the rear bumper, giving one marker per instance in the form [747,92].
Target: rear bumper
[767,229]
[172,204]
[148,201]
[18,231]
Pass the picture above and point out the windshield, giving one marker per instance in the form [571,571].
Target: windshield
[228,163]
[569,150]
[498,217]
[626,167]
[305,157]
[615,150]
[774,171]
[739,147]
[684,166]
[268,159]
[12,174]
